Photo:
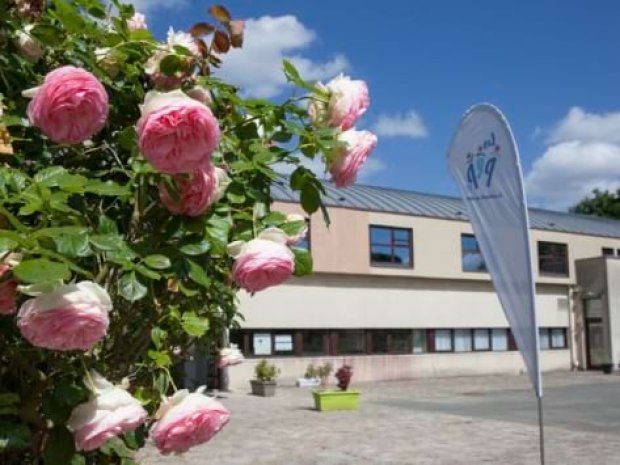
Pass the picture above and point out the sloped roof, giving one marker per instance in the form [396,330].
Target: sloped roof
[381,199]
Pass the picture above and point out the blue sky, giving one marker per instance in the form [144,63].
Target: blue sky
[552,67]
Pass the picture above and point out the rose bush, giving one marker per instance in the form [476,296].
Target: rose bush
[104,132]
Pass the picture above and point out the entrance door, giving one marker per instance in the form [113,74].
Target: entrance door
[595,339]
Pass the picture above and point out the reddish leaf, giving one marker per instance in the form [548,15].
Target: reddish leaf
[201,29]
[202,47]
[221,42]
[236,29]
[220,13]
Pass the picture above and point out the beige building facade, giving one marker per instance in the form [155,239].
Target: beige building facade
[400,291]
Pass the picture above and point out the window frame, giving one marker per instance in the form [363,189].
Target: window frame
[472,236]
[392,246]
[610,251]
[451,332]
[489,347]
[542,272]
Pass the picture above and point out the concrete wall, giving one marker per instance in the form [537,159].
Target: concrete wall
[613,302]
[344,246]
[390,367]
[340,301]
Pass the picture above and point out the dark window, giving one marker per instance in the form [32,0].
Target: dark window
[391,246]
[553,258]
[313,342]
[380,341]
[608,251]
[400,342]
[351,341]
[419,341]
[471,257]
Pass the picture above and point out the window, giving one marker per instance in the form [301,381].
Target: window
[543,337]
[351,341]
[499,339]
[608,252]
[558,338]
[553,258]
[313,342]
[482,341]
[419,341]
[443,340]
[471,256]
[283,343]
[400,342]
[380,342]
[391,246]
[462,340]
[261,344]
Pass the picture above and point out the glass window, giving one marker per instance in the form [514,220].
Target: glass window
[558,338]
[391,246]
[543,336]
[443,340]
[261,344]
[401,342]
[553,258]
[481,339]
[419,341]
[351,341]
[462,340]
[313,342]
[380,342]
[283,343]
[499,339]
[608,251]
[304,242]
[471,257]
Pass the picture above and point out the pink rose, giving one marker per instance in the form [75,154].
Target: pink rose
[70,107]
[110,412]
[186,420]
[176,133]
[195,192]
[262,262]
[137,22]
[348,100]
[230,356]
[8,292]
[73,317]
[349,159]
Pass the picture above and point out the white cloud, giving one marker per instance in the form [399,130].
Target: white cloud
[257,67]
[583,153]
[370,168]
[586,127]
[407,125]
[151,5]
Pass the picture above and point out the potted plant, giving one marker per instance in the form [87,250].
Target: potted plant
[265,383]
[310,378]
[343,399]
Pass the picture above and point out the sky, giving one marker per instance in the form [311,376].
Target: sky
[552,67]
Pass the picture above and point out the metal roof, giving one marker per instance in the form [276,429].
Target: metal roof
[381,199]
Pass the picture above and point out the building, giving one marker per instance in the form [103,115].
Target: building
[400,290]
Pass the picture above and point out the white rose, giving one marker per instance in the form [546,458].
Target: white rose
[28,46]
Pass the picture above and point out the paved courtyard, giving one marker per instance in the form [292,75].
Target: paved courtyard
[481,420]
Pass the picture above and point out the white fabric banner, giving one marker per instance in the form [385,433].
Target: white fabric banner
[484,160]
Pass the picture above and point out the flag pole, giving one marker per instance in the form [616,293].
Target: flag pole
[541,429]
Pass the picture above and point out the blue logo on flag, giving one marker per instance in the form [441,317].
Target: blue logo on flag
[481,164]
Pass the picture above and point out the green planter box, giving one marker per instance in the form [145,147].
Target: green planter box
[329,401]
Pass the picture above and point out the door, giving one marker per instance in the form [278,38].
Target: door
[595,340]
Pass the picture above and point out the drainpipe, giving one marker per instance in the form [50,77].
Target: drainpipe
[573,297]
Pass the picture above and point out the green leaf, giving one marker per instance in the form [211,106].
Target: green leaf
[274,219]
[197,273]
[170,65]
[157,262]
[108,242]
[117,447]
[98,187]
[293,228]
[130,288]
[161,383]
[158,336]
[78,459]
[41,270]
[196,248]
[147,272]
[310,198]
[59,448]
[13,436]
[106,226]
[303,261]
[161,359]
[9,398]
[194,325]
[70,18]
[73,245]
[218,229]
[128,138]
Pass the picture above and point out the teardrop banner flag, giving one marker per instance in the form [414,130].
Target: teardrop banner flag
[484,161]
